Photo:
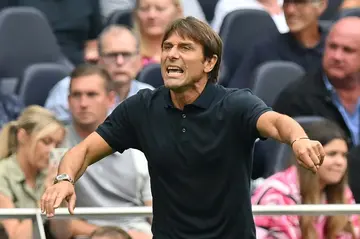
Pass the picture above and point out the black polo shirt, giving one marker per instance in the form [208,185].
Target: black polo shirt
[199,158]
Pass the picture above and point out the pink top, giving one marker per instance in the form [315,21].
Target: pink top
[282,189]
[147,60]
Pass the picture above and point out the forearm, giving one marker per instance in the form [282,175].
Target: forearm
[61,228]
[23,230]
[82,228]
[74,162]
[286,129]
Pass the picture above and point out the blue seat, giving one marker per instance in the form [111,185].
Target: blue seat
[151,74]
[26,38]
[239,30]
[270,78]
[38,79]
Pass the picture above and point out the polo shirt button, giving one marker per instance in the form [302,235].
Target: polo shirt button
[183,130]
[184,116]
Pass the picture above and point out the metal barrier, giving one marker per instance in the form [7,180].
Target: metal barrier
[108,213]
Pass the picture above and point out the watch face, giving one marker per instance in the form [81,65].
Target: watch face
[62,177]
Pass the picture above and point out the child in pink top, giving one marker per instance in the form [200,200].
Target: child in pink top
[296,185]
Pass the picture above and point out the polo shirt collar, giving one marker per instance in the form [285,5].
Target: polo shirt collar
[17,173]
[203,101]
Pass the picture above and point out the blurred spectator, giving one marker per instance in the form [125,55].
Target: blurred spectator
[332,92]
[25,168]
[303,44]
[191,7]
[297,185]
[119,55]
[90,99]
[10,108]
[110,233]
[150,20]
[76,24]
[350,4]
[273,7]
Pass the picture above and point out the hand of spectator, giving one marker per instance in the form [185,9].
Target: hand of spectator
[309,153]
[55,195]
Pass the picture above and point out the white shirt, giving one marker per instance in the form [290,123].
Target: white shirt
[223,7]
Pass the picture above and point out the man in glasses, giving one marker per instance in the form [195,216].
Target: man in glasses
[119,55]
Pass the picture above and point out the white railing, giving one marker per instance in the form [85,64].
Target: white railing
[108,213]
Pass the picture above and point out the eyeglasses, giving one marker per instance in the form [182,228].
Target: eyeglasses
[113,56]
[300,1]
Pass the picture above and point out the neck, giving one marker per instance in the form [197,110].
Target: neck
[84,130]
[187,96]
[349,84]
[29,172]
[123,90]
[151,47]
[309,37]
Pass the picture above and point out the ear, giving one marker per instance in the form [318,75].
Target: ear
[22,136]
[112,98]
[321,6]
[210,63]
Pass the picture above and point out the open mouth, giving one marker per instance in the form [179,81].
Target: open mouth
[174,70]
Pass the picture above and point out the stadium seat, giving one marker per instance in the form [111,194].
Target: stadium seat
[332,10]
[26,38]
[272,77]
[151,74]
[38,79]
[120,17]
[239,30]
[351,12]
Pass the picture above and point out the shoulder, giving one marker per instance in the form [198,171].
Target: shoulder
[141,85]
[240,97]
[63,84]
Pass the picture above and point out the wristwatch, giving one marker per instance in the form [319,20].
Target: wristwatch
[63,177]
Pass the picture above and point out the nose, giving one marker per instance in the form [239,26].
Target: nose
[173,53]
[84,101]
[152,13]
[120,59]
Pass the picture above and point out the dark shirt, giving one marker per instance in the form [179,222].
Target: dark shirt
[73,21]
[199,159]
[309,97]
[283,47]
[10,108]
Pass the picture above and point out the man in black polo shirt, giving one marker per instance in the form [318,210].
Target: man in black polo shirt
[197,137]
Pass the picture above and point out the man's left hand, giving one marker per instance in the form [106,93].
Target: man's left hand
[309,153]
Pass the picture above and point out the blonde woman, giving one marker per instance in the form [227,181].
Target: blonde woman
[25,150]
[150,20]
[297,185]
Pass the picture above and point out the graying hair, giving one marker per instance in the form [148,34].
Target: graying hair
[115,28]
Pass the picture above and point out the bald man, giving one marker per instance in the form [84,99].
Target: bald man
[333,91]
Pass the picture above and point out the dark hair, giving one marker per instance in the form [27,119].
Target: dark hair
[201,33]
[88,70]
[324,131]
[110,231]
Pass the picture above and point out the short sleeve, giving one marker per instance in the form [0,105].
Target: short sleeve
[249,109]
[119,129]
[5,187]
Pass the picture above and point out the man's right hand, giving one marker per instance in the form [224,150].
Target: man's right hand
[55,195]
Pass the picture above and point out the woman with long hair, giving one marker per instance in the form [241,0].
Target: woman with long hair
[25,169]
[151,18]
[297,185]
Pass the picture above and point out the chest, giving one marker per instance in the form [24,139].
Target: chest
[24,196]
[191,139]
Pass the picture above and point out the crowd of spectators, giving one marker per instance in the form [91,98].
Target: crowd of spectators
[106,55]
